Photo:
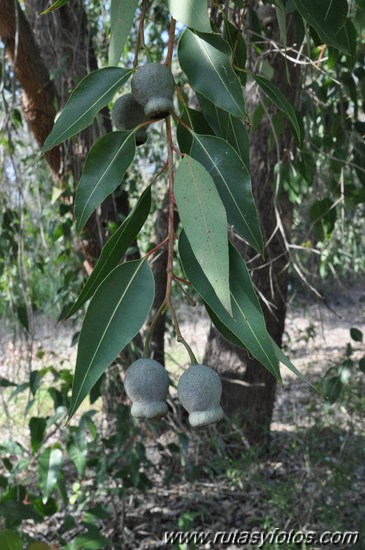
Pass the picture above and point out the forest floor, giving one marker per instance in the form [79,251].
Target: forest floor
[312,479]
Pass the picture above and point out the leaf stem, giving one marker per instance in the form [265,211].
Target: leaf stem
[161,310]
[140,37]
[170,46]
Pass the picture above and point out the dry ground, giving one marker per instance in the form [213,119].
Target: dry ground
[313,478]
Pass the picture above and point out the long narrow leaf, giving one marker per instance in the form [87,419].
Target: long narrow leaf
[121,19]
[205,222]
[115,248]
[206,60]
[228,127]
[247,325]
[327,17]
[105,166]
[49,465]
[93,93]
[116,313]
[58,4]
[233,183]
[279,99]
[192,13]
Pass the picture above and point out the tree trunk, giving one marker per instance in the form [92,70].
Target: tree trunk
[39,92]
[248,388]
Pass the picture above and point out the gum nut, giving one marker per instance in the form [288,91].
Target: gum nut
[146,383]
[127,114]
[199,390]
[153,87]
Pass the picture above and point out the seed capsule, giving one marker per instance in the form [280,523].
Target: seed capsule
[153,87]
[200,390]
[127,114]
[146,383]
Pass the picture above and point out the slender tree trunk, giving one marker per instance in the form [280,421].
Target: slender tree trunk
[248,388]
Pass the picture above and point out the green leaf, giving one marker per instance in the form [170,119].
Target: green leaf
[326,17]
[93,93]
[239,50]
[356,334]
[105,166]
[116,313]
[4,383]
[279,99]
[58,4]
[284,359]
[39,546]
[115,248]
[196,121]
[362,364]
[246,327]
[77,451]
[37,427]
[228,127]
[89,541]
[121,19]
[233,183]
[9,540]
[322,214]
[192,13]
[204,219]
[49,467]
[15,511]
[206,60]
[333,389]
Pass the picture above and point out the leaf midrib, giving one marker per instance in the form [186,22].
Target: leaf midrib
[206,225]
[227,187]
[103,174]
[104,333]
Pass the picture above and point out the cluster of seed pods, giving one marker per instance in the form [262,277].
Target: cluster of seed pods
[153,88]
[199,390]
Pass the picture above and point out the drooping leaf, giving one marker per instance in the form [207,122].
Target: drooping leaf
[116,313]
[198,124]
[239,50]
[333,389]
[192,13]
[49,467]
[15,511]
[55,6]
[204,219]
[115,248]
[247,324]
[322,214]
[326,17]
[121,19]
[228,127]
[93,93]
[356,334]
[37,427]
[105,166]
[206,60]
[9,540]
[279,99]
[362,364]
[4,383]
[284,359]
[233,183]
[347,35]
[77,451]
[91,540]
